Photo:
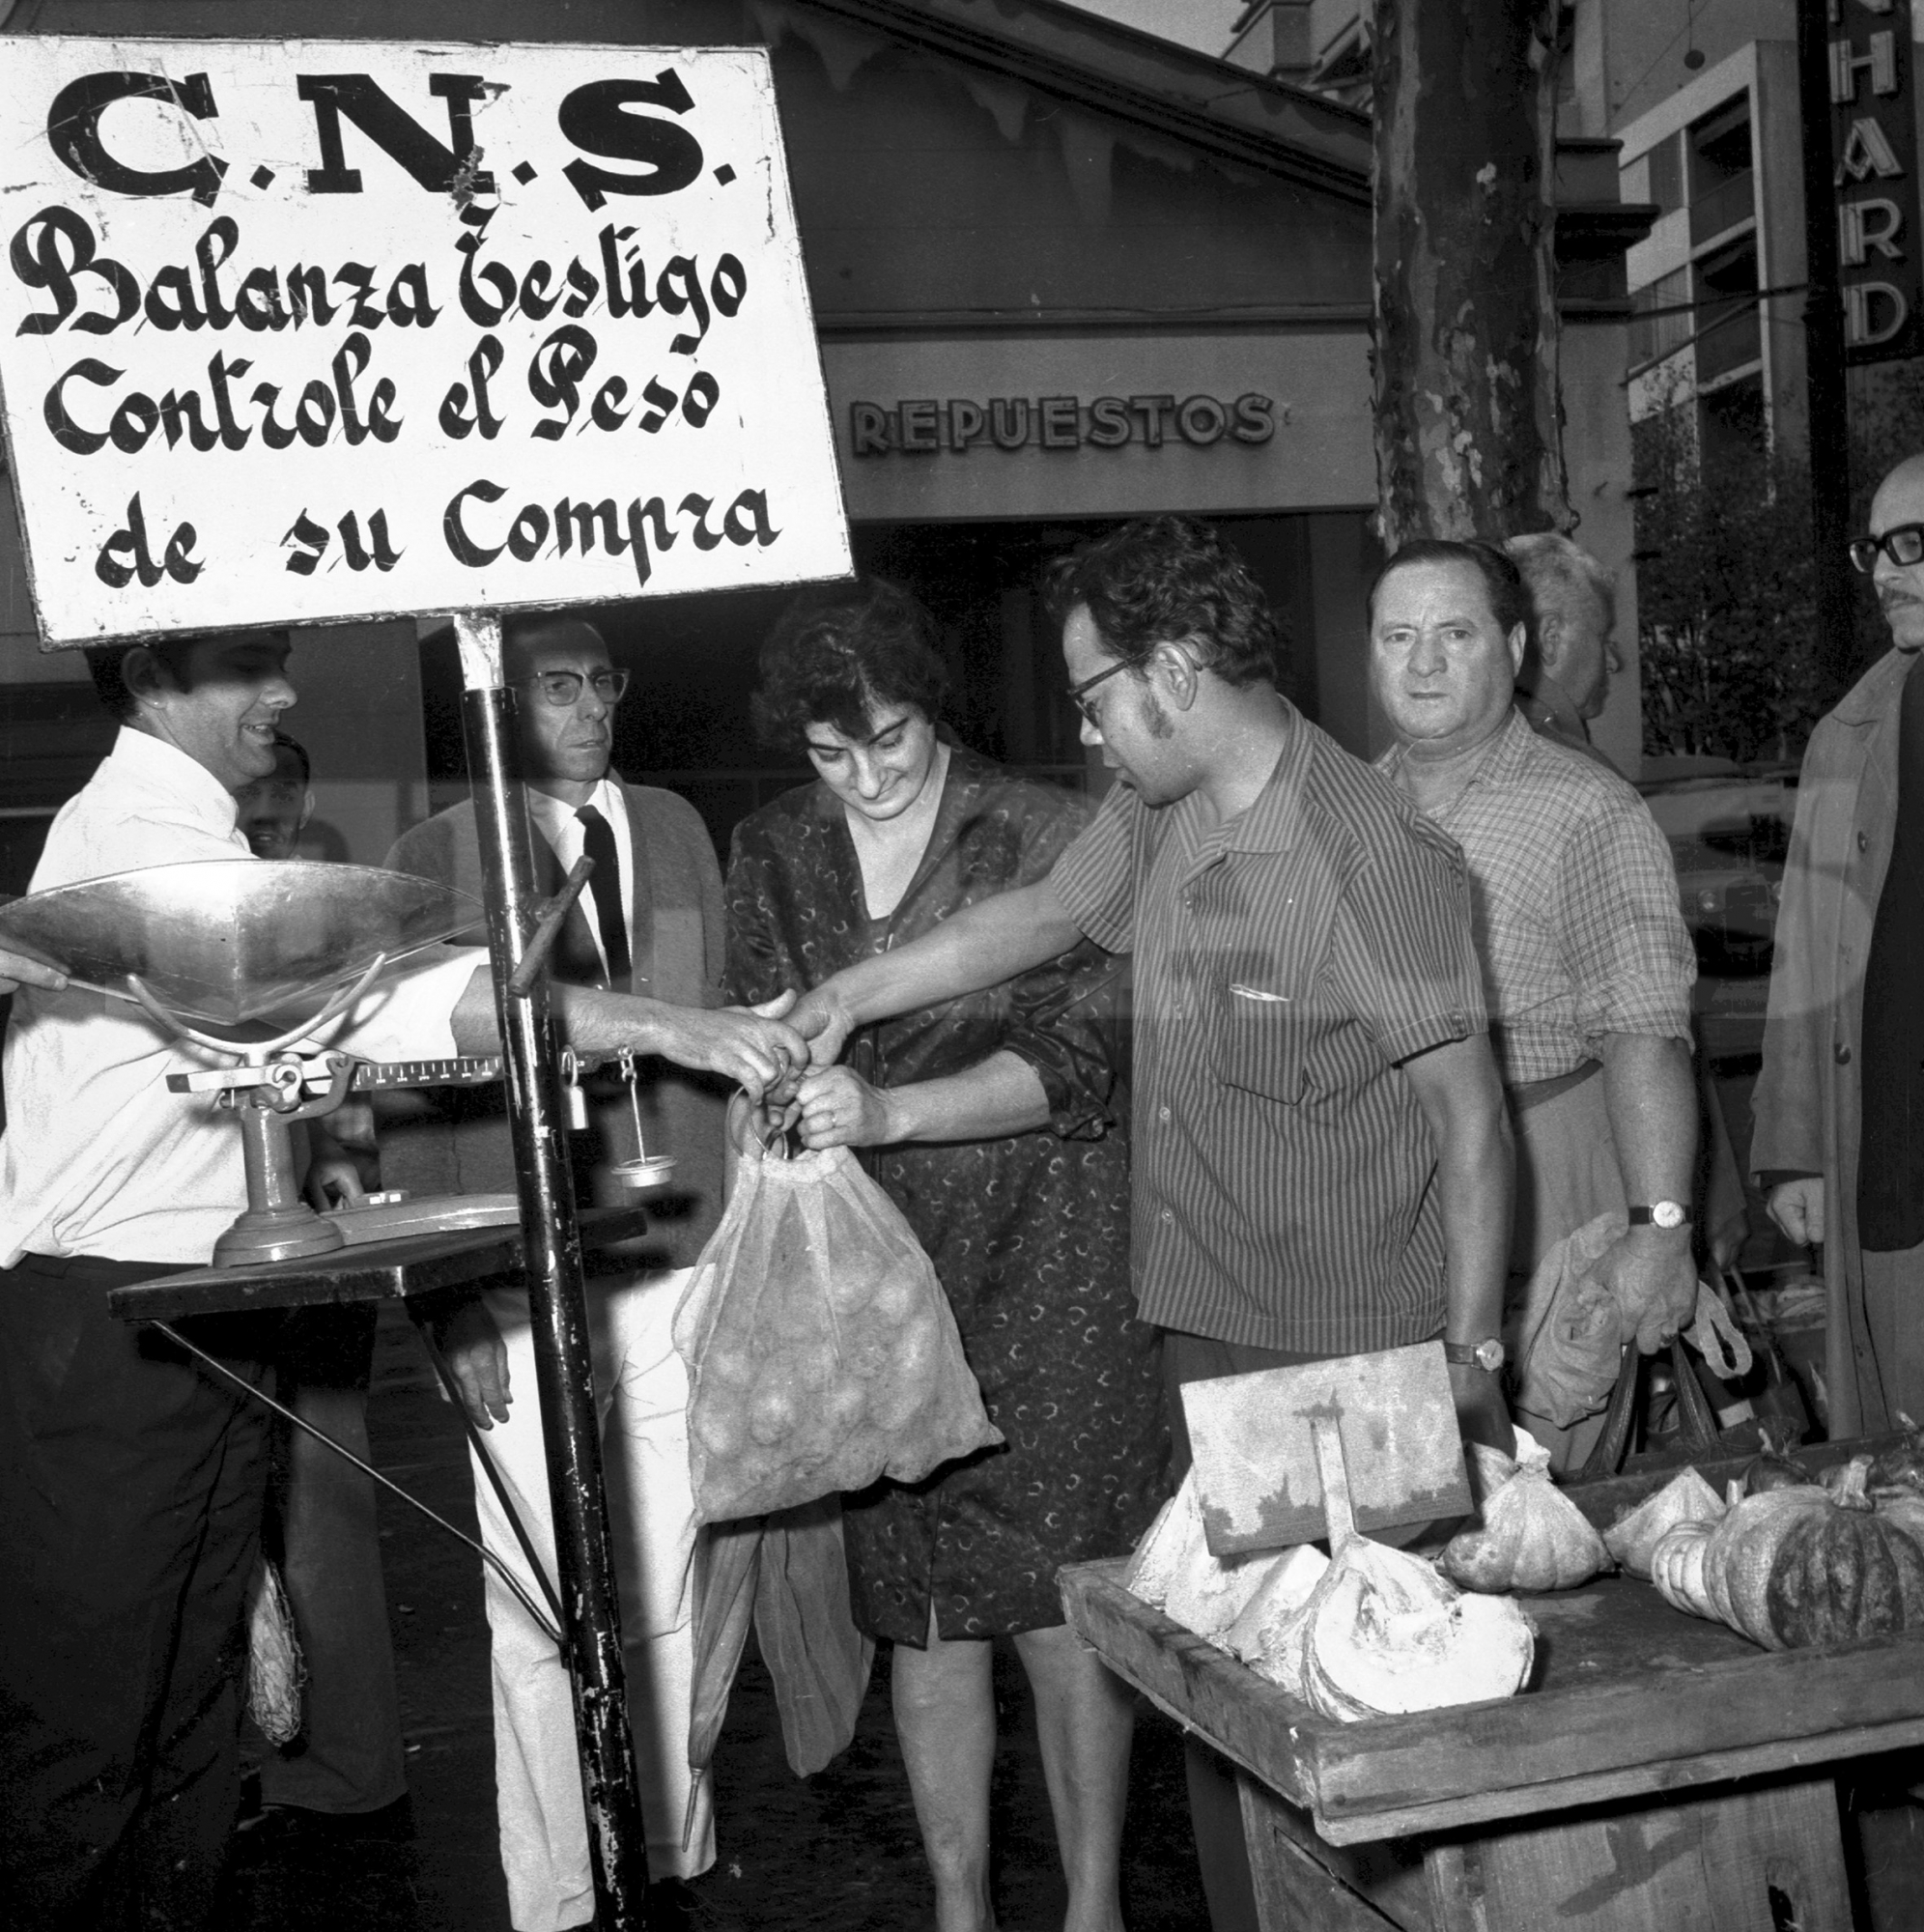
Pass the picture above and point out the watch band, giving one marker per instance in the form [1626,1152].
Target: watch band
[1659,1214]
[1488,1356]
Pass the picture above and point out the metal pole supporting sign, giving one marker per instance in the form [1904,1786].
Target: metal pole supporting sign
[557,1302]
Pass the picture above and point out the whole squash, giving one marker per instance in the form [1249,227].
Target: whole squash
[1632,1539]
[1806,1565]
[1676,1566]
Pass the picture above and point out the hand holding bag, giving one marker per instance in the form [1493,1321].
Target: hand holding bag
[820,1348]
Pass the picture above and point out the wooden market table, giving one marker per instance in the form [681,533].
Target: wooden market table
[1662,1773]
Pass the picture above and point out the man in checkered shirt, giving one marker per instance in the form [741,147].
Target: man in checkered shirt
[1587,965]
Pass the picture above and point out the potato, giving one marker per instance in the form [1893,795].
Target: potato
[895,1300]
[844,1407]
[851,1290]
[718,1431]
[813,1364]
[771,1415]
[731,1366]
[893,1402]
[919,1347]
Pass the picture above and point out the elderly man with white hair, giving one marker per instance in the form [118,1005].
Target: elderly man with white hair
[1565,681]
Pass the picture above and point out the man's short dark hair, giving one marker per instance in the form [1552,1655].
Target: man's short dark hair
[105,664]
[1170,580]
[283,743]
[1509,599]
[519,626]
[839,652]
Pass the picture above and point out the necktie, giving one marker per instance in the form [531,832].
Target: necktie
[598,843]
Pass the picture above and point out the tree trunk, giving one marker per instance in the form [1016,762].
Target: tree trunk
[1468,420]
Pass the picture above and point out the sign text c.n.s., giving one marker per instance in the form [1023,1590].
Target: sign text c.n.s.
[281,322]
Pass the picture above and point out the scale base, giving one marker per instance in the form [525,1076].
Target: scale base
[276,1235]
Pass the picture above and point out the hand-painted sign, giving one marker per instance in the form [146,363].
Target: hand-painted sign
[305,331]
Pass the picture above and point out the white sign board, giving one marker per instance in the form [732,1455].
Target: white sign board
[300,331]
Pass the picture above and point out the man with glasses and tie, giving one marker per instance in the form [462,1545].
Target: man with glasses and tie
[649,922]
[1840,1102]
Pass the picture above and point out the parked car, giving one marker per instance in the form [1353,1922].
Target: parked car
[1729,827]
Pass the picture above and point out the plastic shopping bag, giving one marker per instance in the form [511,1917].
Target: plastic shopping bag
[789,1574]
[820,1348]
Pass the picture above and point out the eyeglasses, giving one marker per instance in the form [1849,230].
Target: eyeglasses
[563,688]
[1903,546]
[1079,692]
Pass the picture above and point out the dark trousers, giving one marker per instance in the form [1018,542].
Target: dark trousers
[349,1755]
[131,1487]
[1215,1806]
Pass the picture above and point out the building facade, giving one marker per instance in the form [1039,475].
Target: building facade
[1062,272]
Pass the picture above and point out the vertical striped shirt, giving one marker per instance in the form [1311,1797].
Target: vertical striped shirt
[1286,963]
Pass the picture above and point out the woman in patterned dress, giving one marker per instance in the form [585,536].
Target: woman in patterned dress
[995,1123]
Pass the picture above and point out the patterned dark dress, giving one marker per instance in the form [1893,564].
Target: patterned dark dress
[1030,1236]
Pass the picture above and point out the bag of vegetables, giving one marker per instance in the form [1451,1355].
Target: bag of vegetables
[820,1348]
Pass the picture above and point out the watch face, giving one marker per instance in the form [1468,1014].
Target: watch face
[1667,1214]
[1489,1356]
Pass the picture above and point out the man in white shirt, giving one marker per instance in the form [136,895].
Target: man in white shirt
[131,1482]
[650,922]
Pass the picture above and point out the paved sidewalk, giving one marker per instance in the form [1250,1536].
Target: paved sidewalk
[835,1852]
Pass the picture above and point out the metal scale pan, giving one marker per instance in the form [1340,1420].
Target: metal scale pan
[220,942]
[244,956]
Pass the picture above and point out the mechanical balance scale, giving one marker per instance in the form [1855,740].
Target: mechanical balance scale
[253,962]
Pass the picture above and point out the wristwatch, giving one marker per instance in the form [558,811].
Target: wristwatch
[1665,1214]
[1485,1355]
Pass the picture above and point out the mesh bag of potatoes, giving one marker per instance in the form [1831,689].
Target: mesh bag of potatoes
[821,1350]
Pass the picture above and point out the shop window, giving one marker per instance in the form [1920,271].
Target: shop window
[1722,186]
[1662,318]
[1728,331]
[1665,183]
[685,723]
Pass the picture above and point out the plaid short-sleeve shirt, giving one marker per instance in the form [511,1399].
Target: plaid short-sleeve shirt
[1284,964]
[1574,897]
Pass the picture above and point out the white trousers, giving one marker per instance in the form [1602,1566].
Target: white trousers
[641,1398]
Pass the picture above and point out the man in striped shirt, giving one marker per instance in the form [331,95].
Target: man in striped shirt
[1322,1163]
[1586,961]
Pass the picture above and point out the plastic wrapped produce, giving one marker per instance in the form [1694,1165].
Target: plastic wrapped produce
[1530,1538]
[1632,1539]
[820,1348]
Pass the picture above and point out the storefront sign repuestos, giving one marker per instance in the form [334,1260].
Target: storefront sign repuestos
[925,426]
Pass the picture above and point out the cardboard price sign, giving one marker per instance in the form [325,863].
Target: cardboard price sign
[311,330]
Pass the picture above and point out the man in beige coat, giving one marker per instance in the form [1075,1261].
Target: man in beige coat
[1843,1074]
